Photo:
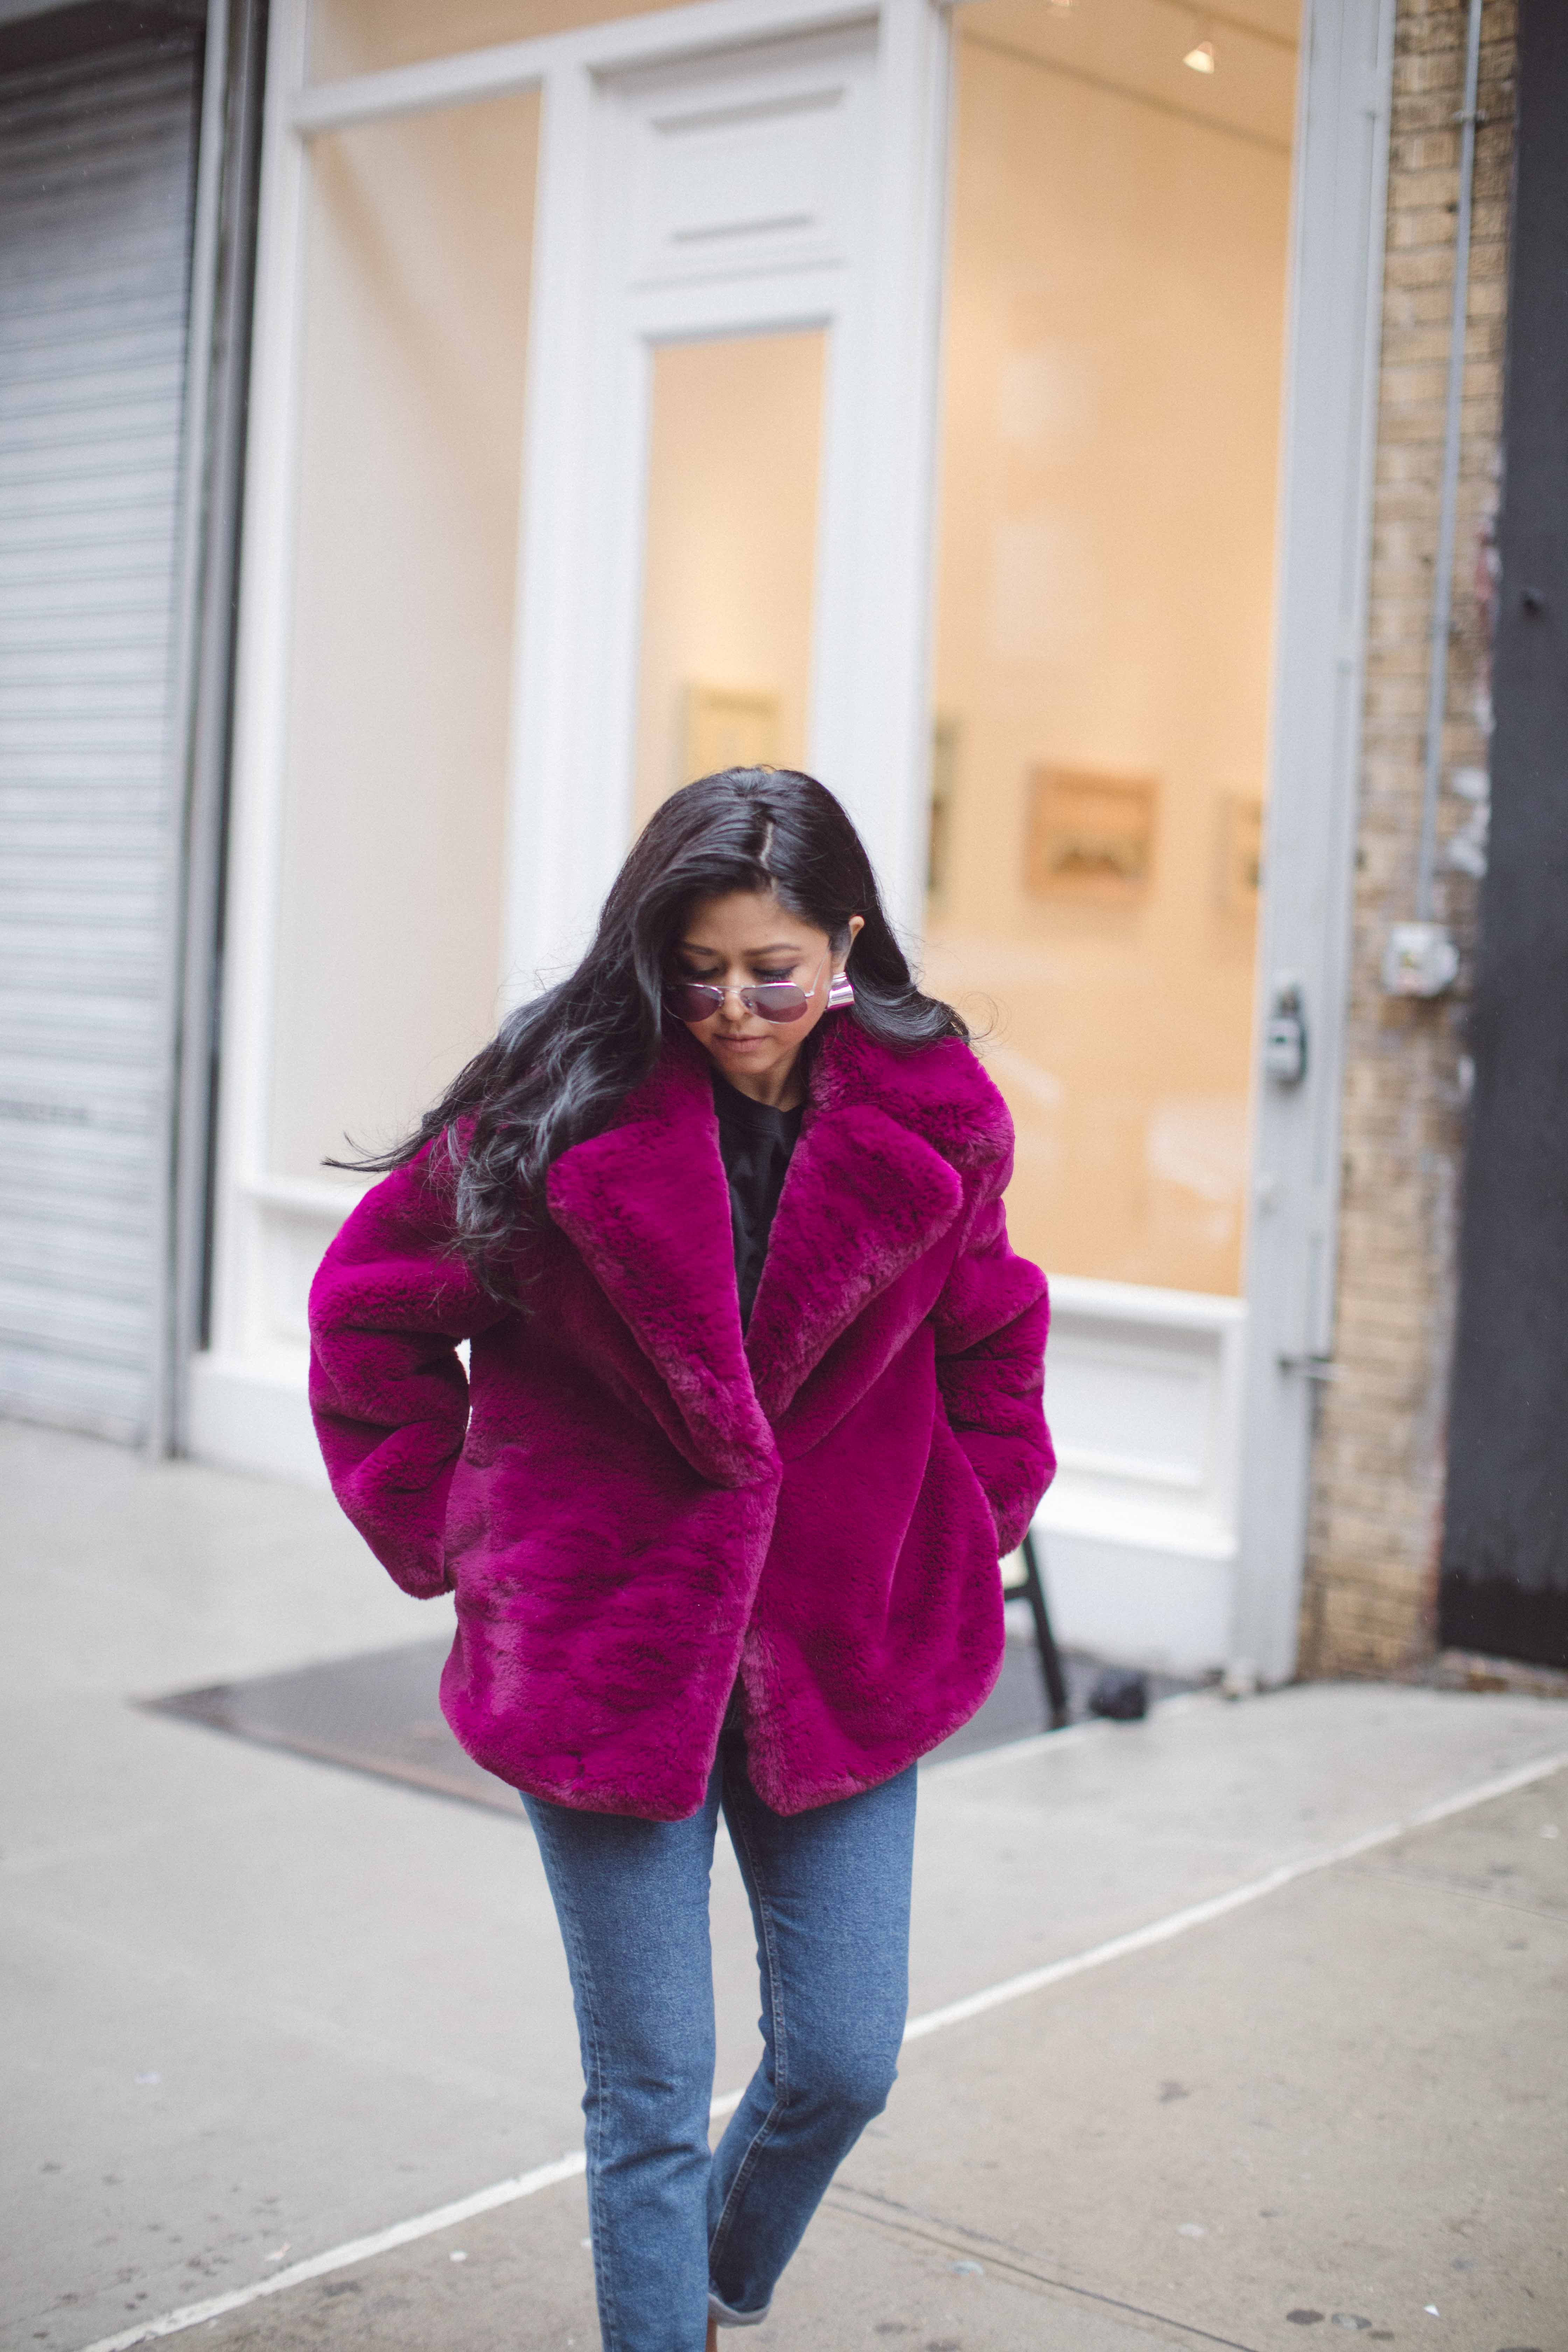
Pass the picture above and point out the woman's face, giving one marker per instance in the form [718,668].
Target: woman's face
[743,941]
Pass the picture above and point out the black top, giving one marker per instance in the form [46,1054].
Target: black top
[755,1142]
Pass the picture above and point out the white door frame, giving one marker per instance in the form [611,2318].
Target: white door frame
[1304,936]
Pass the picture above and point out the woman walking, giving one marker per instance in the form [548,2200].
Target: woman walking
[753,1407]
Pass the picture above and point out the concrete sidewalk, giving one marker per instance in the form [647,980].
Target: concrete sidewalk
[262,2007]
[1341,2109]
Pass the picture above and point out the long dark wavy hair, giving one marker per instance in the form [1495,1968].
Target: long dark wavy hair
[559,1068]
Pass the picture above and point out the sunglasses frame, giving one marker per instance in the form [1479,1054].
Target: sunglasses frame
[749,997]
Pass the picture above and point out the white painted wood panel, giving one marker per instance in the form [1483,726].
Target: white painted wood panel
[1144,1394]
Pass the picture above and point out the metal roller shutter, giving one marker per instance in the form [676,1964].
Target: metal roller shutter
[96,159]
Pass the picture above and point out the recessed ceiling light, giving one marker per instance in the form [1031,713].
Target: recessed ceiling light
[1201,57]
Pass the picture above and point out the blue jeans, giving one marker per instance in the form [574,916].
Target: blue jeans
[679,2232]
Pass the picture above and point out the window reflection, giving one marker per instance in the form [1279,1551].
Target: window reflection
[729,572]
[416,266]
[1113,383]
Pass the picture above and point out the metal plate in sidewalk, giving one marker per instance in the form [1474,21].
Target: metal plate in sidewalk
[381,1713]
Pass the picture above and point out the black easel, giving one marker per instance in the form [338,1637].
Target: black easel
[1034,1590]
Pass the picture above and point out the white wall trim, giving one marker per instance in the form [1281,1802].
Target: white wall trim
[251,1413]
[1143,1392]
[883,726]
[538,823]
[194,464]
[260,723]
[1197,1310]
[308,1196]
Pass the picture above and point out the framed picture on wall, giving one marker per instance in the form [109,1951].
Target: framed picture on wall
[729,726]
[1089,836]
[943,780]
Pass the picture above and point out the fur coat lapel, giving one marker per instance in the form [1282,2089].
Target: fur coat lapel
[864,1199]
[646,1204]
[647,1207]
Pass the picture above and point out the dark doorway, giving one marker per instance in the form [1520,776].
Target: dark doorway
[1505,1553]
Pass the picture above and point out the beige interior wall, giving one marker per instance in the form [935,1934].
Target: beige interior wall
[417,285]
[350,36]
[734,456]
[1115,322]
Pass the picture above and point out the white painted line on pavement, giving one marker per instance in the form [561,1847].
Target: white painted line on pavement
[337,2258]
[360,2250]
[571,2167]
[1176,1923]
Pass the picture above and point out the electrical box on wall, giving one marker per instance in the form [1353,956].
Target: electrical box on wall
[1420,959]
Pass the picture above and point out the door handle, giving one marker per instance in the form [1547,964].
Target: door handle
[1285,1035]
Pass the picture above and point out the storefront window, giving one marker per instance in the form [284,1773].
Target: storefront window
[418,238]
[734,451]
[1112,392]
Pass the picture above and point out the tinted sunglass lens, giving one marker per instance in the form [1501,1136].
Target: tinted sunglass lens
[778,1000]
[691,1000]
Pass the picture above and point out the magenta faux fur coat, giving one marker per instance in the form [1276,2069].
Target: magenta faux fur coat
[634,1504]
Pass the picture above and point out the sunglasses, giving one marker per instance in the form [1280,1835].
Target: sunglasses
[769,1000]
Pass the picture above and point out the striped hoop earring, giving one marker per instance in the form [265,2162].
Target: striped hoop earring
[842,992]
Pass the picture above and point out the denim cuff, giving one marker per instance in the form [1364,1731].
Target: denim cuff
[720,2310]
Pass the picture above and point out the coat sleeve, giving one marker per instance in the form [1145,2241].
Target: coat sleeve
[388,1393]
[990,1323]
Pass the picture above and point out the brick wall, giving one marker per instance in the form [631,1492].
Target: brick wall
[1369,1599]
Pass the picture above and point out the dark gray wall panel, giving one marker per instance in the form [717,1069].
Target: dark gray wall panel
[1505,1555]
